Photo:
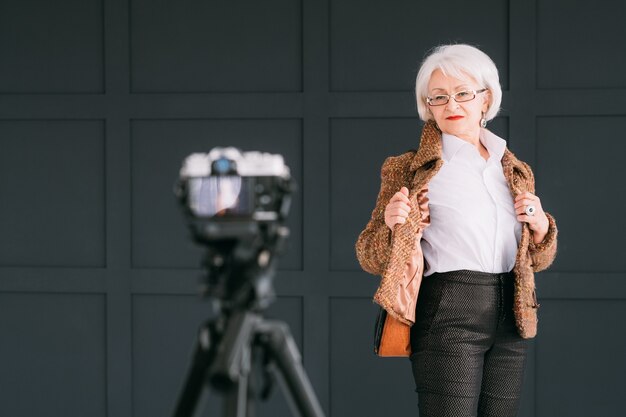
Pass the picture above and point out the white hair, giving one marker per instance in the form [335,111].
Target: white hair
[459,61]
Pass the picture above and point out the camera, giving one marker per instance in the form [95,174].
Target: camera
[235,204]
[232,195]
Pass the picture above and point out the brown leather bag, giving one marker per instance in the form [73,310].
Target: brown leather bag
[392,338]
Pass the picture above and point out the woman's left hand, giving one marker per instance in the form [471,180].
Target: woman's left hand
[538,223]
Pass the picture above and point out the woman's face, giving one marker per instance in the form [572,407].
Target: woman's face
[458,119]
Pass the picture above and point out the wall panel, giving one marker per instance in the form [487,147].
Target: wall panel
[219,46]
[379,45]
[51,47]
[572,52]
[580,358]
[52,354]
[52,185]
[594,166]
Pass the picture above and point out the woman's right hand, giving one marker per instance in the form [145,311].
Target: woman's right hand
[398,208]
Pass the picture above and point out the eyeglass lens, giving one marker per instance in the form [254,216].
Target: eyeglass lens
[459,97]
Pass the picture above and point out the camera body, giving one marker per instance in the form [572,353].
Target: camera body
[227,194]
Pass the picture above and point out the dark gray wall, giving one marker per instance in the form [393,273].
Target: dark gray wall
[101,99]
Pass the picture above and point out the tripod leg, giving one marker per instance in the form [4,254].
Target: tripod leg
[277,339]
[232,364]
[236,399]
[194,384]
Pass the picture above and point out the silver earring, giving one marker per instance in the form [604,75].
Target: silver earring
[483,121]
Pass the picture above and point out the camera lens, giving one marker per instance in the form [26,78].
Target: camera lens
[223,166]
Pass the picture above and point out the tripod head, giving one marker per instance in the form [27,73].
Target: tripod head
[235,205]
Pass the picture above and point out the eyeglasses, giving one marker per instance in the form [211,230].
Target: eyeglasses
[459,97]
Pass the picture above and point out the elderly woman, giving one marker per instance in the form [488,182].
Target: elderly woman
[460,216]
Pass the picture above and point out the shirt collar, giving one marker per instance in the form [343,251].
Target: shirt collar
[494,144]
[452,144]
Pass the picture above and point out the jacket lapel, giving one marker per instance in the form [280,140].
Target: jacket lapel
[518,176]
[427,160]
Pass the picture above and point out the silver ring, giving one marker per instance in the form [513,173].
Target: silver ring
[530,210]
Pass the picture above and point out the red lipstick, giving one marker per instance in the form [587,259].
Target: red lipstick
[454,117]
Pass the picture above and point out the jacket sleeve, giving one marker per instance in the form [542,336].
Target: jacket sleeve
[543,253]
[373,247]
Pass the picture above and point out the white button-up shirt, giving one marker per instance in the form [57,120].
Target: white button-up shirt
[473,222]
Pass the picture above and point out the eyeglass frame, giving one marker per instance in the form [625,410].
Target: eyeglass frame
[453,96]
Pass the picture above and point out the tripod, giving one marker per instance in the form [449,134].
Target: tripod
[224,356]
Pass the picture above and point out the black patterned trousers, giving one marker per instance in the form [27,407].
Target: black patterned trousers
[467,357]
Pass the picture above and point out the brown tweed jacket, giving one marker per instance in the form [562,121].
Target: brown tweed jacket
[397,255]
